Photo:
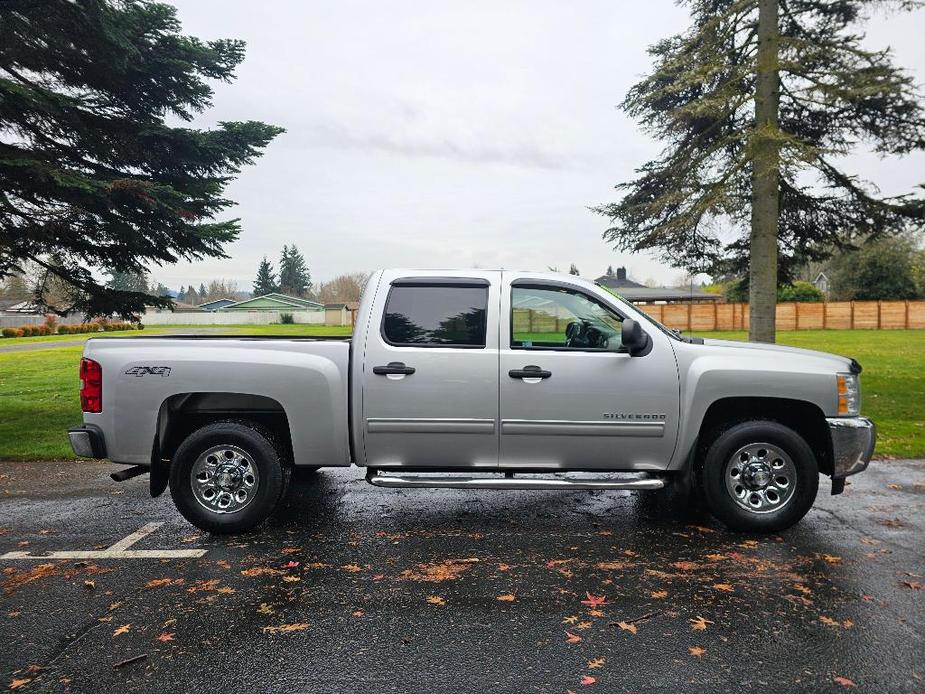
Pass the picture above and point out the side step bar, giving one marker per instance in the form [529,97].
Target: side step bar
[645,482]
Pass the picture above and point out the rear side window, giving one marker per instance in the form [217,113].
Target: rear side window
[435,316]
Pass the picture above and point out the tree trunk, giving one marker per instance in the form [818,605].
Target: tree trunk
[762,269]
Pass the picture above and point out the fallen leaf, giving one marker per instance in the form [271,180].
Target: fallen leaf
[699,623]
[206,586]
[16,684]
[435,600]
[629,553]
[583,625]
[507,597]
[122,630]
[595,613]
[914,585]
[831,559]
[594,600]
[570,620]
[357,613]
[265,608]
[572,638]
[891,522]
[847,623]
[716,557]
[724,587]
[659,594]
[843,681]
[696,651]
[261,571]
[894,487]
[90,584]
[158,582]
[291,579]
[504,567]
[803,589]
[686,565]
[290,564]
[749,544]
[828,621]
[631,628]
[611,565]
[596,663]
[285,628]
[587,679]
[165,637]
[351,568]
[448,570]
[702,528]
[226,590]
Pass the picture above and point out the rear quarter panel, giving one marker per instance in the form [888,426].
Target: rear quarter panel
[307,378]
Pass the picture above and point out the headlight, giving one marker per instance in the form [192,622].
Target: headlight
[849,395]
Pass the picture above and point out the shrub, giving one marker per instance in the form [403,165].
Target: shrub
[51,323]
[93,327]
[139,326]
[286,318]
[9,332]
[800,290]
[64,329]
[19,333]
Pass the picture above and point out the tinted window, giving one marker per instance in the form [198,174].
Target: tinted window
[554,318]
[436,315]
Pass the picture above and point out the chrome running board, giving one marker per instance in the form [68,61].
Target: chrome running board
[644,482]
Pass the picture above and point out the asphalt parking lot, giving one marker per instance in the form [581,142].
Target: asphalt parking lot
[354,588]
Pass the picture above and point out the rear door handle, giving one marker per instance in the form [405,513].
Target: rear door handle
[393,368]
[529,372]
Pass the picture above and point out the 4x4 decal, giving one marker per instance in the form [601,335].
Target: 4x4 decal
[139,371]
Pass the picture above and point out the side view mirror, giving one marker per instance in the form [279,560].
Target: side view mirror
[637,342]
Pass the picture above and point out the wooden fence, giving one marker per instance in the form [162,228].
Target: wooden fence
[834,315]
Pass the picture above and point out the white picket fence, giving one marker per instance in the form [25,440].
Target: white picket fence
[230,318]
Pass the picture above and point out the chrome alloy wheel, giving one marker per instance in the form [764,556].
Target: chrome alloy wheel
[761,477]
[224,479]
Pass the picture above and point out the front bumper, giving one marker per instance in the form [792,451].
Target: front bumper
[853,440]
[87,441]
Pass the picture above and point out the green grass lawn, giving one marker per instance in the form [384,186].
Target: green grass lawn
[38,389]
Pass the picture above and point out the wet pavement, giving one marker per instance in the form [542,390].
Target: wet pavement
[360,589]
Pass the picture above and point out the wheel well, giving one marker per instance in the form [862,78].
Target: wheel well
[803,417]
[182,414]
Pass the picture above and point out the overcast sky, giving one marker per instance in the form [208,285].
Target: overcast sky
[438,134]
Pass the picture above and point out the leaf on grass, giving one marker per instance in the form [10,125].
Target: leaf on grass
[594,600]
[124,629]
[587,680]
[843,681]
[435,600]
[507,597]
[699,623]
[631,628]
[659,594]
[285,628]
[572,638]
[596,663]
[165,637]
[724,587]
[696,651]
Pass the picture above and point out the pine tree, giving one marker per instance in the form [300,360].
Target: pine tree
[755,103]
[203,292]
[266,279]
[131,281]
[294,277]
[192,296]
[93,170]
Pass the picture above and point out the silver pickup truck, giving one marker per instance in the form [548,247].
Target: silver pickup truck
[499,377]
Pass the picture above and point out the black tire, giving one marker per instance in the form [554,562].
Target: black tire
[266,456]
[721,501]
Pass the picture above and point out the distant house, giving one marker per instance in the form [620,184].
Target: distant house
[216,304]
[178,307]
[640,294]
[273,302]
[822,283]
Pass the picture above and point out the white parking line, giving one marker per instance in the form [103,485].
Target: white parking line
[118,550]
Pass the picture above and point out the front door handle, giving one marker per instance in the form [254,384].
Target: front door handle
[531,371]
[393,368]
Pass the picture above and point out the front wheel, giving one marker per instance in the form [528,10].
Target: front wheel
[227,477]
[759,476]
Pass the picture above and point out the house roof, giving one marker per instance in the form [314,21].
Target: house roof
[633,291]
[284,300]
[224,301]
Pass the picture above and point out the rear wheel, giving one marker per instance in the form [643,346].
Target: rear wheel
[227,477]
[759,476]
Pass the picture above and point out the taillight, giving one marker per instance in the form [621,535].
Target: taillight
[91,386]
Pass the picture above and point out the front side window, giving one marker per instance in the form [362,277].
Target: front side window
[559,318]
[435,316]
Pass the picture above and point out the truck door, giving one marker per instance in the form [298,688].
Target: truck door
[430,373]
[571,397]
